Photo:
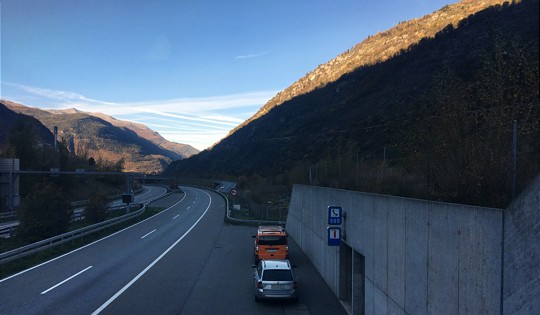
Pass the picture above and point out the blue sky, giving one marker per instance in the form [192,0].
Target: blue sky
[190,69]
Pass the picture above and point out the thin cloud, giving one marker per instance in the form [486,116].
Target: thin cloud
[200,122]
[184,117]
[248,56]
[202,104]
[174,125]
[233,120]
[59,95]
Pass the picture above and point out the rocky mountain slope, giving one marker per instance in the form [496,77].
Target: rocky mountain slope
[9,118]
[423,110]
[378,48]
[183,150]
[103,137]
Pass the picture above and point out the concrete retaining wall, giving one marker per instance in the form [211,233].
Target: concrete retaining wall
[419,257]
[522,253]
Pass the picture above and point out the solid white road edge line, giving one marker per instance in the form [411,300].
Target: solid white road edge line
[75,250]
[60,283]
[145,235]
[102,307]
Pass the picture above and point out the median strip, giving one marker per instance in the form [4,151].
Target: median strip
[60,283]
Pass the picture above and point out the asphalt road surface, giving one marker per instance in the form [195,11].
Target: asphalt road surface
[185,260]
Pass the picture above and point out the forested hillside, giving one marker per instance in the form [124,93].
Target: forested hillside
[434,120]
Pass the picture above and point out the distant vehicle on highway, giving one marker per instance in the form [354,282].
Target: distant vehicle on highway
[275,279]
[270,243]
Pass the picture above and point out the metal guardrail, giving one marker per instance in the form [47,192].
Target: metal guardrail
[252,221]
[6,215]
[235,220]
[245,221]
[60,239]
[69,236]
[8,230]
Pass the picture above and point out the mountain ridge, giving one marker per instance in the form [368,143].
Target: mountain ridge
[413,125]
[105,137]
[9,118]
[369,51]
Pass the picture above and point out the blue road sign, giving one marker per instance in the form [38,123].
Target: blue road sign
[335,215]
[334,236]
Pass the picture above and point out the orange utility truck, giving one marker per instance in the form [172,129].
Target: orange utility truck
[270,243]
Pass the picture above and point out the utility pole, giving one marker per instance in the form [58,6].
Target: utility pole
[514,157]
[55,133]
[357,170]
[129,191]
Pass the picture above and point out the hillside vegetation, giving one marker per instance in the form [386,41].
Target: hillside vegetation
[107,139]
[9,119]
[378,48]
[423,110]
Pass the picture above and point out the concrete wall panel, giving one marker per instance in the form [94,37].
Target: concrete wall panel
[368,235]
[332,267]
[474,268]
[416,260]
[395,308]
[521,290]
[420,256]
[396,251]
[380,250]
[369,297]
[443,261]
[427,256]
[380,302]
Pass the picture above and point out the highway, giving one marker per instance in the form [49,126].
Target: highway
[185,260]
[148,193]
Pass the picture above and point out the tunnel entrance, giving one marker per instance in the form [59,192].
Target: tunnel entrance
[351,279]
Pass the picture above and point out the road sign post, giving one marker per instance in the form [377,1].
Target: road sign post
[335,217]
